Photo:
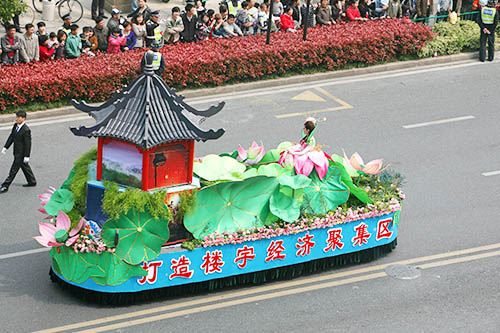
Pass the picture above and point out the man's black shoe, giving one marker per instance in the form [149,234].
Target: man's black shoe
[3,189]
[29,185]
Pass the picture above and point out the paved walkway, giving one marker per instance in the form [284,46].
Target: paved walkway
[164,8]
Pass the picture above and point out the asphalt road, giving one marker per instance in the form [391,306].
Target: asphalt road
[450,206]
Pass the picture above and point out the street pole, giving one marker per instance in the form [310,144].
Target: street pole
[306,20]
[269,22]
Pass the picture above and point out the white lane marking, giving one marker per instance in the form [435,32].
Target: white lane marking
[50,121]
[23,253]
[437,122]
[327,82]
[491,173]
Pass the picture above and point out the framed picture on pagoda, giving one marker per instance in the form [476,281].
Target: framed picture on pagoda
[122,163]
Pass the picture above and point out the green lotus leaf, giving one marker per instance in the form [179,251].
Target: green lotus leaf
[61,200]
[346,178]
[272,155]
[348,167]
[215,168]
[285,207]
[231,206]
[324,195]
[116,271]
[140,236]
[251,172]
[75,266]
[284,146]
[67,183]
[273,170]
[295,182]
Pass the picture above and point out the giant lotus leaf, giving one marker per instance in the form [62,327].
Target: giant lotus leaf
[324,195]
[140,236]
[61,200]
[231,206]
[346,178]
[116,271]
[214,168]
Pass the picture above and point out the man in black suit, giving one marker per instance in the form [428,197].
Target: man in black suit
[21,138]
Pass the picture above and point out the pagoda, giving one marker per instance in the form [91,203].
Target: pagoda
[145,136]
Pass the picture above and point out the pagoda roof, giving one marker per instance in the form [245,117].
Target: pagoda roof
[147,113]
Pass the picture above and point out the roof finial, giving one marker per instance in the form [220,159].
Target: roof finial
[148,59]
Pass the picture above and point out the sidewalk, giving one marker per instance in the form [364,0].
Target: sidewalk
[164,8]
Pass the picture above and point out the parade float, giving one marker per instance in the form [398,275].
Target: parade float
[140,217]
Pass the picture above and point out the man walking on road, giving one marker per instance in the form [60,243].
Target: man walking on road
[21,138]
[488,20]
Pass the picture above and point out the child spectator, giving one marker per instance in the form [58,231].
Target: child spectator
[202,27]
[129,35]
[286,20]
[262,18]
[53,40]
[174,27]
[139,31]
[86,45]
[46,52]
[94,42]
[115,41]
[231,29]
[30,50]
[243,19]
[61,45]
[11,45]
[73,43]
[41,29]
[218,28]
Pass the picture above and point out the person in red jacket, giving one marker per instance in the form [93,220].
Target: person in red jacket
[46,52]
[352,12]
[286,20]
[115,41]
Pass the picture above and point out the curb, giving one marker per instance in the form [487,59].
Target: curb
[239,87]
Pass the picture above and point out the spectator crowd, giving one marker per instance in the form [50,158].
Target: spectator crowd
[141,28]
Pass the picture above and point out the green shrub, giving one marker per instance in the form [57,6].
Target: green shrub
[452,38]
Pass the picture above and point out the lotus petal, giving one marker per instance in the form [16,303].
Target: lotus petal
[242,153]
[63,221]
[43,211]
[71,240]
[47,230]
[42,240]
[54,244]
[356,162]
[372,166]
[77,229]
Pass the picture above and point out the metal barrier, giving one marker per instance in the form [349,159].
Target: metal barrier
[469,16]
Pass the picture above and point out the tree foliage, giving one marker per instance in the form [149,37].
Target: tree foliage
[9,8]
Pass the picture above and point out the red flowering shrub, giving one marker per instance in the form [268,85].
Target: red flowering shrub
[214,62]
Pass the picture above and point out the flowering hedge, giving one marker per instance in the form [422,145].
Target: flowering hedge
[214,62]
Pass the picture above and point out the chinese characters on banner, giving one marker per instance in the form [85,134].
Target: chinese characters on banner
[213,262]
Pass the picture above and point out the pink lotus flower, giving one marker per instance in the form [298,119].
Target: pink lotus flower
[305,162]
[371,168]
[44,198]
[59,234]
[254,154]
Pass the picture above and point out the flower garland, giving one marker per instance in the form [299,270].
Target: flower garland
[339,216]
[84,243]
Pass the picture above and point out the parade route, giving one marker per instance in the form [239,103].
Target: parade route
[437,126]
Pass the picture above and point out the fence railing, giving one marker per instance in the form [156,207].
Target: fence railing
[469,16]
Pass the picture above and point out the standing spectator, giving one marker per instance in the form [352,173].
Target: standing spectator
[218,29]
[395,9]
[199,8]
[20,136]
[67,21]
[114,21]
[445,7]
[189,22]
[98,6]
[353,14]
[487,20]
[231,28]
[286,20]
[61,47]
[10,46]
[46,52]
[174,27]
[41,29]
[243,19]
[278,10]
[153,29]
[115,41]
[422,7]
[139,31]
[253,13]
[296,12]
[303,10]
[129,35]
[143,10]
[30,50]
[53,40]
[202,27]
[324,14]
[338,13]
[73,43]
[101,32]
[233,6]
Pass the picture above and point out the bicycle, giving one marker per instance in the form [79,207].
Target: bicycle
[64,7]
